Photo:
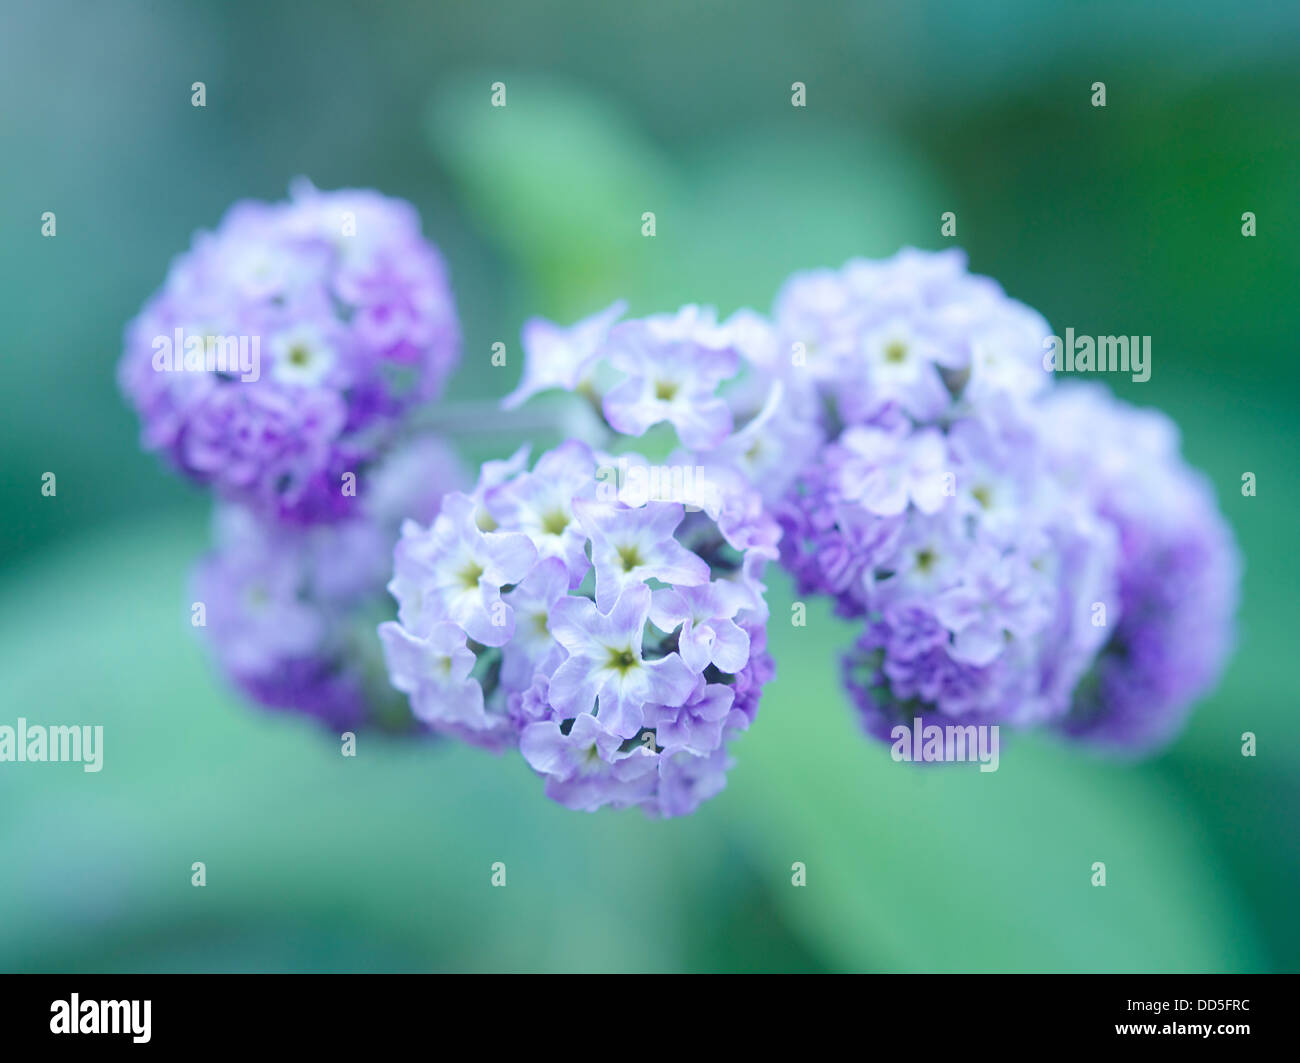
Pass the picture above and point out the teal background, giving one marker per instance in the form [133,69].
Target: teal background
[1117,220]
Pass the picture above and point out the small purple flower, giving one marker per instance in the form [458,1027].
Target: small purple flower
[540,503]
[557,357]
[605,663]
[697,725]
[455,572]
[884,471]
[533,647]
[587,747]
[901,362]
[630,545]
[433,671]
[686,780]
[673,365]
[997,598]
[587,766]
[708,634]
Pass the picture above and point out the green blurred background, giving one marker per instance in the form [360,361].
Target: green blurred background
[1117,220]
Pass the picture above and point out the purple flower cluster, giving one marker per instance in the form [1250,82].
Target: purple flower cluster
[991,558]
[1178,568]
[616,641]
[642,372]
[1015,553]
[289,612]
[285,347]
[975,574]
[896,418]
[721,386]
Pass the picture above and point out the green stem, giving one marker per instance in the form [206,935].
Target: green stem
[470,417]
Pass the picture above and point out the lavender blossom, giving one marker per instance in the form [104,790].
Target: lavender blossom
[723,387]
[616,641]
[291,611]
[915,333]
[285,347]
[932,514]
[1179,569]
[977,592]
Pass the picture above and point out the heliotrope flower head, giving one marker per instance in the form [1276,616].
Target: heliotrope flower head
[640,372]
[932,514]
[975,574]
[284,348]
[613,635]
[720,386]
[290,611]
[1179,570]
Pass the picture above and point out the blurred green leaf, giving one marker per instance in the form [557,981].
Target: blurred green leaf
[560,180]
[946,868]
